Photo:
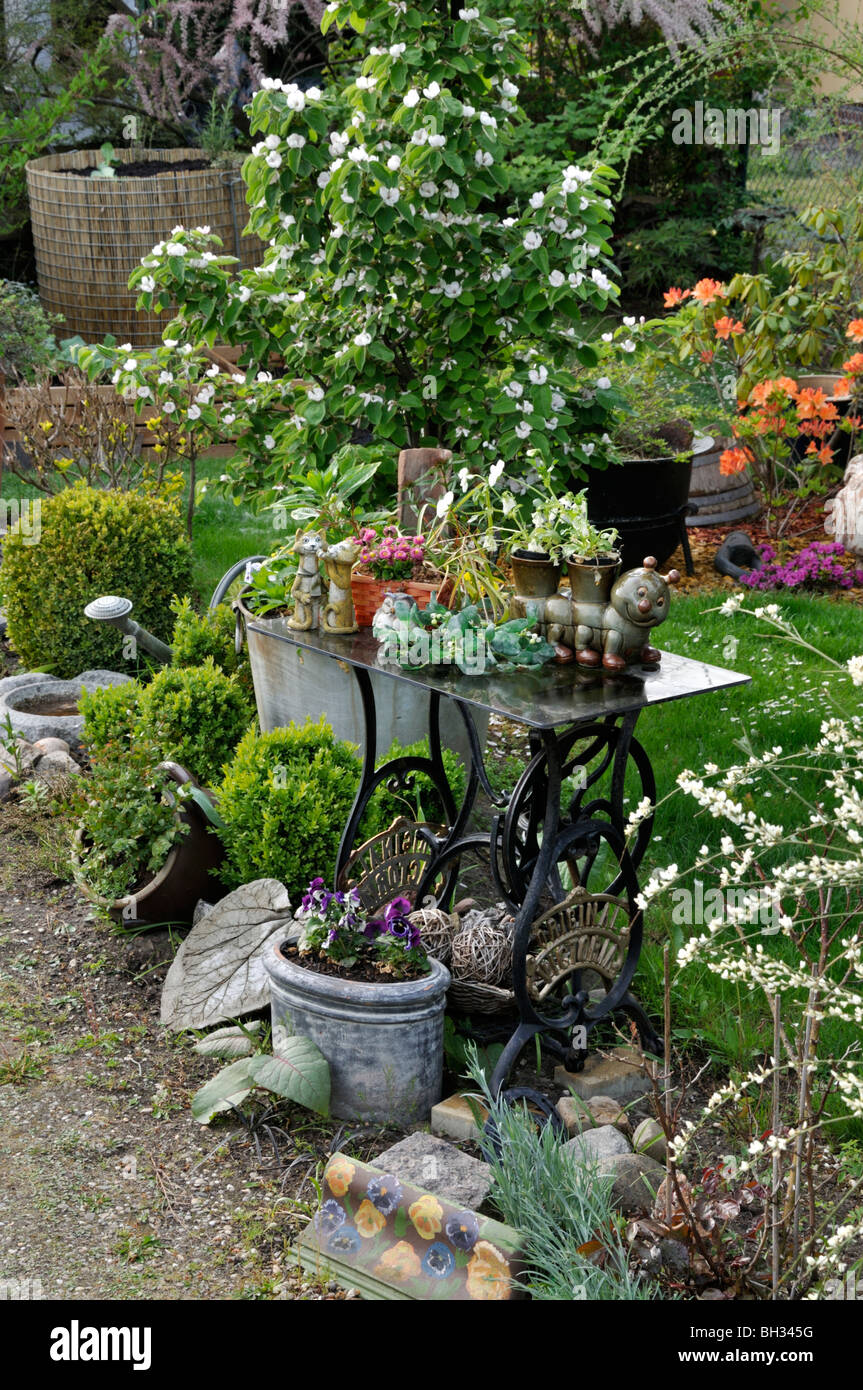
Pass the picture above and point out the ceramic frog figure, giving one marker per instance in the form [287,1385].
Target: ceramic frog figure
[614,632]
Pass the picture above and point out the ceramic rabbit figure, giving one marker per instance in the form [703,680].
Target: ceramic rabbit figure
[613,633]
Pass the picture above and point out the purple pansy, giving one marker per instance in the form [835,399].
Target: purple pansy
[462,1230]
[385,1193]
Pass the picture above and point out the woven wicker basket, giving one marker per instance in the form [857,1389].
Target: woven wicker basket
[90,234]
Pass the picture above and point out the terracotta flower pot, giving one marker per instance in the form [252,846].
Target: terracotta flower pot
[368,594]
[184,878]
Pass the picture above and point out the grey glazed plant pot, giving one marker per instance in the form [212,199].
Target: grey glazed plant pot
[384,1043]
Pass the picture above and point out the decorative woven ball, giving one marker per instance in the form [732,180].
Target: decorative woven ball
[483,953]
[437,929]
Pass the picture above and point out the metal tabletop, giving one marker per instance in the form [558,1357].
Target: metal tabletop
[546,698]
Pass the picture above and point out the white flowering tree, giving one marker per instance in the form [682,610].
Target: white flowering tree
[404,293]
[790,926]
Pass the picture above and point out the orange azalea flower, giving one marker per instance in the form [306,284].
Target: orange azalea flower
[426,1213]
[369,1219]
[854,365]
[843,387]
[706,291]
[399,1262]
[760,394]
[812,404]
[726,326]
[487,1273]
[673,297]
[824,454]
[339,1175]
[707,355]
[854,331]
[734,461]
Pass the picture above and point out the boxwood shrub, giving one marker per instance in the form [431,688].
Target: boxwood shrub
[92,542]
[111,715]
[199,635]
[196,716]
[286,797]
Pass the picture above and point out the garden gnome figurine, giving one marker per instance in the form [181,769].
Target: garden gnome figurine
[338,612]
[843,514]
[306,589]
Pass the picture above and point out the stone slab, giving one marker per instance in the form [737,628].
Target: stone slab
[622,1075]
[438,1167]
[453,1117]
[637,1179]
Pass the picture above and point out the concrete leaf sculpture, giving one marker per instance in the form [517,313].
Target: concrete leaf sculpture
[218,973]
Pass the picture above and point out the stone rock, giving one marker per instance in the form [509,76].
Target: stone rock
[675,1256]
[21,755]
[56,767]
[6,784]
[454,1117]
[636,1181]
[574,1115]
[622,1076]
[218,972]
[95,680]
[50,745]
[606,1111]
[37,686]
[649,1139]
[21,678]
[594,1144]
[438,1167]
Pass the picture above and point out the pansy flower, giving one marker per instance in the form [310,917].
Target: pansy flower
[462,1230]
[488,1273]
[426,1213]
[344,1242]
[369,1219]
[330,1217]
[438,1261]
[398,1263]
[385,1192]
[339,1175]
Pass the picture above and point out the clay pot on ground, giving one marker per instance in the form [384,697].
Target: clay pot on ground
[184,878]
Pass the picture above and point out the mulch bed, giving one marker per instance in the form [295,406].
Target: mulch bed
[147,169]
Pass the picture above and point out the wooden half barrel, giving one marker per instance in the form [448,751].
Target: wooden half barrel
[90,234]
[720,500]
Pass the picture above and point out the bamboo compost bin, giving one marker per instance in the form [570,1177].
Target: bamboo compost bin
[90,234]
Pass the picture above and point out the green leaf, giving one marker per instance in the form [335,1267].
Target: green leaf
[227,1088]
[299,1072]
[229,1042]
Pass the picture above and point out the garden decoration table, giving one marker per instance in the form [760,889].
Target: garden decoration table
[580,727]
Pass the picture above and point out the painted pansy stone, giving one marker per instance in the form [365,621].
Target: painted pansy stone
[383,1232]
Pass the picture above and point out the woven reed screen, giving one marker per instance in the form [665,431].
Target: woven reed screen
[90,234]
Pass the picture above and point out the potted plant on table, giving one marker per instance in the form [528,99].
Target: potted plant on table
[391,560]
[362,988]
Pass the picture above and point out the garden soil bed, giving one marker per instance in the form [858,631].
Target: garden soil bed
[363,973]
[146,169]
